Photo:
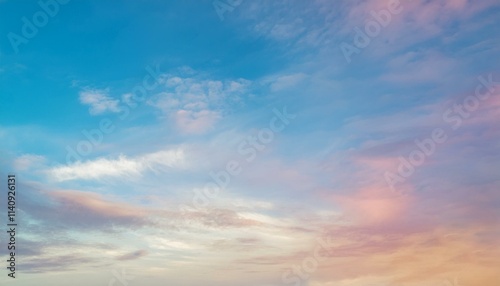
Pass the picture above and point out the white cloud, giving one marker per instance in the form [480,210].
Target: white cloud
[190,121]
[287,81]
[99,101]
[195,105]
[121,167]
[28,161]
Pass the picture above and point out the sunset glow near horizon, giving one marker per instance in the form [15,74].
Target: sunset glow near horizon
[251,143]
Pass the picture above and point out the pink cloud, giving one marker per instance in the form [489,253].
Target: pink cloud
[374,206]
[96,204]
[419,21]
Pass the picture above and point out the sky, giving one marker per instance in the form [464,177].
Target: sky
[237,142]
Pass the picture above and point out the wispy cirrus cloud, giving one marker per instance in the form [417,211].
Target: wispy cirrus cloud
[284,82]
[133,255]
[99,101]
[27,161]
[121,167]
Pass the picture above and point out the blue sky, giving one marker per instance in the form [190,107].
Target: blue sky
[311,141]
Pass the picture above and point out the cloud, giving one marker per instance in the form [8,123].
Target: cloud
[419,67]
[287,31]
[195,104]
[222,218]
[53,212]
[287,81]
[95,204]
[401,254]
[196,122]
[374,205]
[57,213]
[99,101]
[323,25]
[418,22]
[133,255]
[122,167]
[28,161]
[68,262]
